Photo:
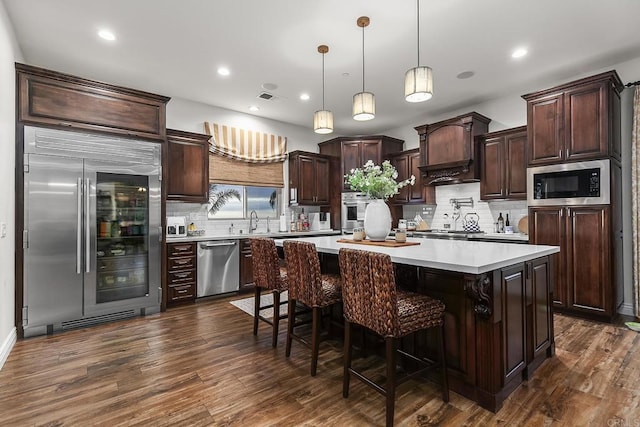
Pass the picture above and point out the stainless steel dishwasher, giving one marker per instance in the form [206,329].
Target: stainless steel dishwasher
[218,267]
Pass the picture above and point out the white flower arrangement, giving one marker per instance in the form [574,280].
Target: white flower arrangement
[377,182]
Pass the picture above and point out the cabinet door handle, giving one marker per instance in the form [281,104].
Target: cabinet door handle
[183,291]
[182,275]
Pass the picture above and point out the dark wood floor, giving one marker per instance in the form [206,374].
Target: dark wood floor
[200,365]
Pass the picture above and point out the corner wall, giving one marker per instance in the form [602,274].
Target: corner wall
[9,54]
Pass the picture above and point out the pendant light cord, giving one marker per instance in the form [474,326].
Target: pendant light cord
[418,15]
[363,58]
[323,82]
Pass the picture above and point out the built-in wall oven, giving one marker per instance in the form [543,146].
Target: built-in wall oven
[353,207]
[579,183]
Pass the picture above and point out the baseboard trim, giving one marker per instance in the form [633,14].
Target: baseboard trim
[7,346]
[626,309]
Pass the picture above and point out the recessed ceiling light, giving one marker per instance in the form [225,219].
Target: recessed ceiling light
[465,75]
[254,108]
[106,35]
[224,71]
[519,53]
[304,96]
[269,86]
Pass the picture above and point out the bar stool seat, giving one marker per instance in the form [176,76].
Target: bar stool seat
[270,276]
[372,300]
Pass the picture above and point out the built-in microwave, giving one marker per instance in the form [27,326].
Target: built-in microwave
[579,183]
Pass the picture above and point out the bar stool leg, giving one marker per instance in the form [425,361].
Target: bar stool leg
[315,338]
[391,345]
[443,365]
[291,319]
[256,309]
[346,359]
[276,318]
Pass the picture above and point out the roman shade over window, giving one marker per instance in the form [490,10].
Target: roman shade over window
[244,157]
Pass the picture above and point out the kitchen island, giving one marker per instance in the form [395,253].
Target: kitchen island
[498,298]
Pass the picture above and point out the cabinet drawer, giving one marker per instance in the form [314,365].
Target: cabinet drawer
[182,292]
[184,263]
[181,249]
[180,277]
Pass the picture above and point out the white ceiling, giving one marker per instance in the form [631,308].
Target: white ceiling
[174,48]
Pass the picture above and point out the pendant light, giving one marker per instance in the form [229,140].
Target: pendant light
[418,81]
[323,119]
[364,103]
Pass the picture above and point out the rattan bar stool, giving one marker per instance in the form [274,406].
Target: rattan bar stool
[308,286]
[371,299]
[267,275]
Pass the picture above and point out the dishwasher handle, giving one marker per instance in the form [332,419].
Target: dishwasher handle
[216,245]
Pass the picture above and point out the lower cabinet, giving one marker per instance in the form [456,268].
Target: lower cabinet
[584,277]
[181,272]
[246,267]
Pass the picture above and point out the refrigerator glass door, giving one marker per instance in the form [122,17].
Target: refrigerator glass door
[123,258]
[53,256]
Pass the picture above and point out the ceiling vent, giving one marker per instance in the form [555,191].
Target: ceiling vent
[266,96]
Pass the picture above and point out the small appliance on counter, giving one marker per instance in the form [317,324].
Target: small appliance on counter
[176,226]
[320,221]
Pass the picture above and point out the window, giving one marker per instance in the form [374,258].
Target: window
[237,201]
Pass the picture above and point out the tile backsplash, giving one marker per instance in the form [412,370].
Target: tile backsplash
[487,211]
[197,214]
[433,215]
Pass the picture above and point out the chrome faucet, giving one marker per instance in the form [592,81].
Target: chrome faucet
[268,227]
[253,225]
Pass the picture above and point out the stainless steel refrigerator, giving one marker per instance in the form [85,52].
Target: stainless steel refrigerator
[92,229]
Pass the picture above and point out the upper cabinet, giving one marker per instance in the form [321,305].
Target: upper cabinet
[407,163]
[575,121]
[449,150]
[309,174]
[60,100]
[187,166]
[356,151]
[503,163]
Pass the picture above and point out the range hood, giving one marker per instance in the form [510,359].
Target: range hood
[449,151]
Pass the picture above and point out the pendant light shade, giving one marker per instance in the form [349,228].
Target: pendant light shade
[364,106]
[364,103]
[418,81]
[323,119]
[418,84]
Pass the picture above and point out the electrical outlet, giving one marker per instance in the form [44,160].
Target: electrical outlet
[3,229]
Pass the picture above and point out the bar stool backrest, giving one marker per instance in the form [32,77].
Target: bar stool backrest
[369,291]
[303,266]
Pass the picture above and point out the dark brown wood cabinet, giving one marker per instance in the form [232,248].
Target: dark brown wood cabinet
[503,163]
[407,163]
[575,121]
[246,267]
[584,272]
[309,174]
[187,166]
[449,149]
[538,312]
[354,152]
[181,272]
[55,99]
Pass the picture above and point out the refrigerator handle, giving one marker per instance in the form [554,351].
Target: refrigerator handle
[79,230]
[87,227]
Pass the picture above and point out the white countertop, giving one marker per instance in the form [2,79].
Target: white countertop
[275,235]
[452,255]
[506,236]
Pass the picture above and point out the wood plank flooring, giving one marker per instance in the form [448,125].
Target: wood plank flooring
[201,365]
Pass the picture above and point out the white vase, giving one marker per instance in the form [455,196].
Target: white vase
[377,220]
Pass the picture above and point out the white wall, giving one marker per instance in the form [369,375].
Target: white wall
[9,53]
[190,116]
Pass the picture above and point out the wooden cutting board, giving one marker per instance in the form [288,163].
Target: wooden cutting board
[386,243]
[523,225]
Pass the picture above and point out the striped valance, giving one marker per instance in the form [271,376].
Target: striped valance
[246,145]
